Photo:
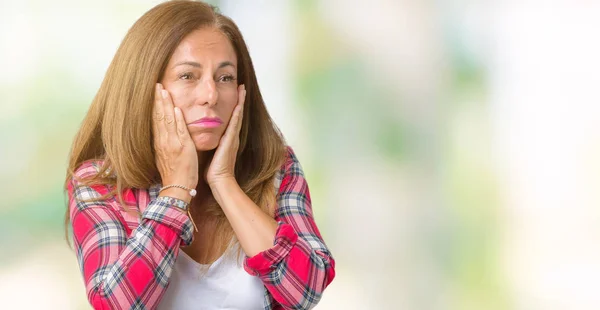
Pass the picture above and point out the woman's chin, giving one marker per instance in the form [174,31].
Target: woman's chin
[206,147]
[206,143]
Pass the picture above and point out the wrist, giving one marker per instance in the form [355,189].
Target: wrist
[184,183]
[221,182]
[179,204]
[176,202]
[176,192]
[221,186]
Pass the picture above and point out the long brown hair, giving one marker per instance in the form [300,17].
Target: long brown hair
[117,128]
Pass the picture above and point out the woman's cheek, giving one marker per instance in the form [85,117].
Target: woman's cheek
[230,112]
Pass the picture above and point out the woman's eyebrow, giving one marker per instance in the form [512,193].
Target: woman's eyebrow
[198,65]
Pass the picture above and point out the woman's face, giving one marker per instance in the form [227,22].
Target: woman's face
[201,77]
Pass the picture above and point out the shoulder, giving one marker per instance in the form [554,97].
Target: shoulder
[87,192]
[85,172]
[86,195]
[101,199]
[291,161]
[88,169]
[291,170]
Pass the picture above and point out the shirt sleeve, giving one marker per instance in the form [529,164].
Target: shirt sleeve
[124,271]
[298,268]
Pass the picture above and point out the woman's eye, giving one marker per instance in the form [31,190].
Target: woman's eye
[186,76]
[227,78]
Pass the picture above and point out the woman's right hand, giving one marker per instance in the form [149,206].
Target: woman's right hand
[176,157]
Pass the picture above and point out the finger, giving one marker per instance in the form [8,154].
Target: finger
[169,113]
[233,128]
[234,124]
[158,116]
[242,102]
[182,131]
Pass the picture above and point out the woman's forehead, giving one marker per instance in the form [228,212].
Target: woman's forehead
[206,45]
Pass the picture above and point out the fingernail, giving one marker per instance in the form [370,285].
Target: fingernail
[164,93]
[158,85]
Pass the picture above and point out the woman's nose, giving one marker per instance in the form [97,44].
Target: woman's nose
[207,92]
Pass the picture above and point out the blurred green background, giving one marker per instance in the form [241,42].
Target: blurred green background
[451,147]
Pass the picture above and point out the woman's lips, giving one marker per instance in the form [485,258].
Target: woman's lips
[207,122]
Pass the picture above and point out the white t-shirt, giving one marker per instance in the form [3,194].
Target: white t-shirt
[226,285]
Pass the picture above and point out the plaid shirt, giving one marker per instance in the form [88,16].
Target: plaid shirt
[126,261]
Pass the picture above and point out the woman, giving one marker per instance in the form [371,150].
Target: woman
[182,193]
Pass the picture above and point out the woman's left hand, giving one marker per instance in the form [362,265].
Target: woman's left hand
[222,165]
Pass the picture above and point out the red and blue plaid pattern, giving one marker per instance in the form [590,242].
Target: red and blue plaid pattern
[126,261]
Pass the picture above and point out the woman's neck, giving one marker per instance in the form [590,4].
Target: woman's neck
[204,159]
